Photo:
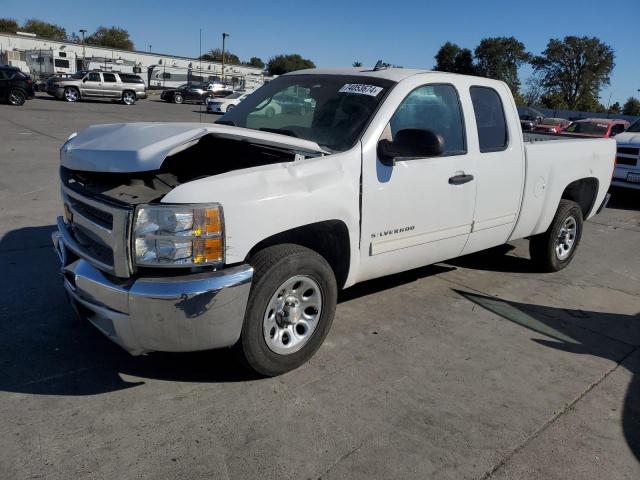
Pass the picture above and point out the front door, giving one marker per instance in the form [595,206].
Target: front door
[418,211]
[92,85]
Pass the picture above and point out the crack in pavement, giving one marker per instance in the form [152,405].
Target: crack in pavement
[489,473]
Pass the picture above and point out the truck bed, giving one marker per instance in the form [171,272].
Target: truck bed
[551,167]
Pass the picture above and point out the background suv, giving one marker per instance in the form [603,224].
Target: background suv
[15,86]
[96,84]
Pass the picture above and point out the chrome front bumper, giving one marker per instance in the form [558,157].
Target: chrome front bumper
[179,313]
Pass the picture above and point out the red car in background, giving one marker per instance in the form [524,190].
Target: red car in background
[596,127]
[552,125]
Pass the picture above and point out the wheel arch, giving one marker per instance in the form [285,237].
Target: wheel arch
[584,192]
[329,238]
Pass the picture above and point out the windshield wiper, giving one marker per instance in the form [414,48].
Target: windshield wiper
[282,131]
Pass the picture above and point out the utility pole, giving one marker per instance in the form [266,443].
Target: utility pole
[149,48]
[83,31]
[224,37]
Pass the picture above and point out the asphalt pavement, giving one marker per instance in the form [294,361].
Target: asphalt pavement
[479,368]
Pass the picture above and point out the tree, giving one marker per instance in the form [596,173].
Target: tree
[74,38]
[356,64]
[113,37]
[256,62]
[533,93]
[575,69]
[215,55]
[499,58]
[452,58]
[8,25]
[281,64]
[615,109]
[45,29]
[631,107]
[553,100]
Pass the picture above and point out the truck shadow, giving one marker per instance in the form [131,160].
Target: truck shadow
[581,332]
[624,199]
[47,350]
[495,260]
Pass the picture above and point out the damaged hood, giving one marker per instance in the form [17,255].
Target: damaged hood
[142,147]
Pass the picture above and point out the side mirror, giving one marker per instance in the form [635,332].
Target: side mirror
[84,80]
[411,143]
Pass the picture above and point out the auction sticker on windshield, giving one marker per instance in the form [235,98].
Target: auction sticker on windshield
[361,89]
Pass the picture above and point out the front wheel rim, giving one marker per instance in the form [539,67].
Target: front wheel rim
[71,95]
[292,315]
[566,238]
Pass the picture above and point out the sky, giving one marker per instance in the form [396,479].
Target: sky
[337,33]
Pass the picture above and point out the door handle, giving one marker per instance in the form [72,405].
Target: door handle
[460,179]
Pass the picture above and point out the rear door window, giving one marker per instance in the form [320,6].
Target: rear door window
[109,77]
[490,119]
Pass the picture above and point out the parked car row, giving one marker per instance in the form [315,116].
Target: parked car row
[531,120]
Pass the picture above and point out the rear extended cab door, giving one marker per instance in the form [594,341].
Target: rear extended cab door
[497,146]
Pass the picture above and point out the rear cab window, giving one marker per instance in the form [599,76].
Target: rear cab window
[493,135]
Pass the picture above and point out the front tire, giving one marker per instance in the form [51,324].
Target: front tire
[177,98]
[16,98]
[290,309]
[554,249]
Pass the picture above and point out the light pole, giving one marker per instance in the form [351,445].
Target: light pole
[149,48]
[83,31]
[224,37]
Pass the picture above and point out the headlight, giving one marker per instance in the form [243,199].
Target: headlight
[178,235]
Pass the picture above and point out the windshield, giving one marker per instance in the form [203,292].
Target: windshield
[551,121]
[635,127]
[331,110]
[588,128]
[79,75]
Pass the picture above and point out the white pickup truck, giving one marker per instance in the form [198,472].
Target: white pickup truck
[627,172]
[194,236]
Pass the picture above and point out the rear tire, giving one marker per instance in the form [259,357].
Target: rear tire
[16,98]
[71,94]
[290,309]
[554,249]
[128,97]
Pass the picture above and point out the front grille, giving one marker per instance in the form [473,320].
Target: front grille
[629,150]
[102,218]
[626,161]
[100,231]
[93,247]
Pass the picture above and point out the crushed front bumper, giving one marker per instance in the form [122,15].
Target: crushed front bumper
[178,313]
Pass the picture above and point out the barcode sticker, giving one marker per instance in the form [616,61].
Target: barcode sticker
[361,89]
